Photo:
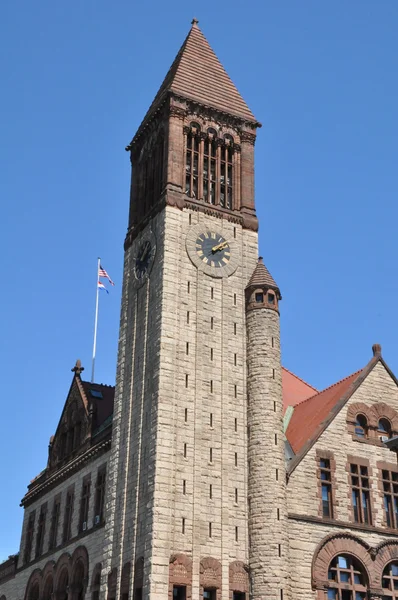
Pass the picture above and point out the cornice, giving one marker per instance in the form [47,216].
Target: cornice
[343,524]
[65,472]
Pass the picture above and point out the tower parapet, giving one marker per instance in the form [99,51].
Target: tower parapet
[268,560]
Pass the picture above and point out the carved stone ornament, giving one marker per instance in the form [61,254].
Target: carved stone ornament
[246,136]
[177,111]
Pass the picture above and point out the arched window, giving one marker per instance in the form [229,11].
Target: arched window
[347,579]
[361,426]
[34,592]
[384,428]
[78,580]
[390,581]
[96,582]
[48,588]
[209,166]
[62,587]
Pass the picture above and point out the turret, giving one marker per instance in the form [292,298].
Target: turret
[268,560]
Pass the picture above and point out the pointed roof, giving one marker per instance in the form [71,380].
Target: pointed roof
[312,416]
[262,277]
[197,74]
[294,389]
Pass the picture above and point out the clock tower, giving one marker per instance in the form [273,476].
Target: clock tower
[176,523]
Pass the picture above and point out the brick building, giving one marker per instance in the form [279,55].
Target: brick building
[209,471]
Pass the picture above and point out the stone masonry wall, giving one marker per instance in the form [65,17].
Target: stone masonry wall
[303,489]
[14,589]
[269,552]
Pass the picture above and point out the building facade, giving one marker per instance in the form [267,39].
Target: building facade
[209,471]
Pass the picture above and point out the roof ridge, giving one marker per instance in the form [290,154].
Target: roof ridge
[330,386]
[302,381]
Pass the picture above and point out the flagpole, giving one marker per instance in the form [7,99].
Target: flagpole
[95,323]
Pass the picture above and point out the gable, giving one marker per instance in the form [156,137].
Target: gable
[294,389]
[313,416]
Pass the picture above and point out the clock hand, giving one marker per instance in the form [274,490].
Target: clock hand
[219,247]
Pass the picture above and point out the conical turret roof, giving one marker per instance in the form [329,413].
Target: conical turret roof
[197,74]
[262,277]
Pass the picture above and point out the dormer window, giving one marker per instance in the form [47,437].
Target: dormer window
[361,426]
[209,166]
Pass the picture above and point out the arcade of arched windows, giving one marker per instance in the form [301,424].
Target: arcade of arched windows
[346,568]
[372,424]
[212,164]
[65,579]
[149,174]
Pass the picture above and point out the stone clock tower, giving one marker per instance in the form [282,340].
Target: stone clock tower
[177,511]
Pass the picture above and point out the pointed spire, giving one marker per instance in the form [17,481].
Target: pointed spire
[77,369]
[262,278]
[197,74]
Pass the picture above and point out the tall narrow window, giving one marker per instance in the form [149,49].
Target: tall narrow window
[99,496]
[55,523]
[192,161]
[209,167]
[210,530]
[41,530]
[326,487]
[361,426]
[384,429]
[84,504]
[360,494]
[29,538]
[390,498]
[226,176]
[67,533]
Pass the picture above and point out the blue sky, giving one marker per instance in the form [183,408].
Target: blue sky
[77,78]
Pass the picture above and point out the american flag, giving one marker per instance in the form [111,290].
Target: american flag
[103,273]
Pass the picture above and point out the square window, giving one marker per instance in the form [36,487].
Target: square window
[259,297]
[179,592]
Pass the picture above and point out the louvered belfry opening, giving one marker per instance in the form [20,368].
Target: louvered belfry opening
[209,162]
[195,145]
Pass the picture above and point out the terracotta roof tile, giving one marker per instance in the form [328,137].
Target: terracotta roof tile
[262,277]
[197,74]
[309,414]
[294,389]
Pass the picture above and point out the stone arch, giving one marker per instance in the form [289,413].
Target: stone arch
[125,581]
[62,576]
[96,582]
[331,546]
[33,587]
[180,573]
[79,573]
[381,409]
[359,408]
[238,577]
[112,584]
[210,575]
[385,553]
[3,598]
[48,580]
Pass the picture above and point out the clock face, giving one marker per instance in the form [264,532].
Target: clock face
[143,259]
[213,249]
[212,252]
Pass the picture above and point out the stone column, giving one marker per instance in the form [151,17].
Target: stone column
[268,545]
[247,180]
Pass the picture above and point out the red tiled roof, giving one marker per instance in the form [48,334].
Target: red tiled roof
[294,389]
[197,74]
[104,405]
[309,414]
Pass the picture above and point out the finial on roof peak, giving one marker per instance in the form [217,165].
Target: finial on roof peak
[260,260]
[77,369]
[376,348]
[194,22]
